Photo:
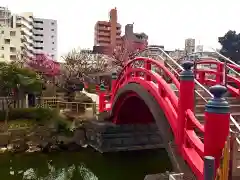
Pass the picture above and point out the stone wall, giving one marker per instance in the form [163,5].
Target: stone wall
[108,137]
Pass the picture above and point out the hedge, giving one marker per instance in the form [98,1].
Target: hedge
[38,114]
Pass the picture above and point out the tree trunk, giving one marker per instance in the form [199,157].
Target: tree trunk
[6,117]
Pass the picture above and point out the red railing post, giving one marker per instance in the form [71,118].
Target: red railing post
[220,73]
[186,98]
[217,124]
[97,88]
[114,81]
[148,66]
[101,105]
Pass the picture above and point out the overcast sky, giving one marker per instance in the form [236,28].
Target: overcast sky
[167,22]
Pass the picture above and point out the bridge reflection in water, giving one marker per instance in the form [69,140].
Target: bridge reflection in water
[84,165]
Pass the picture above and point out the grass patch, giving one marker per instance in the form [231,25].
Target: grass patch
[21,123]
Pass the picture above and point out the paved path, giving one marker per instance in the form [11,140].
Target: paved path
[94,97]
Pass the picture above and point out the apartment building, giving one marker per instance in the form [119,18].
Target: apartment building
[10,43]
[107,34]
[38,35]
[5,16]
[33,35]
[189,45]
[45,36]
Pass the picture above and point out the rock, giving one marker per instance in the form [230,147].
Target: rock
[34,149]
[54,148]
[10,147]
[46,147]
[4,138]
[73,147]
[79,136]
[19,145]
[3,149]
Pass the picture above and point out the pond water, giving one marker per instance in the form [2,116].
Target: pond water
[84,165]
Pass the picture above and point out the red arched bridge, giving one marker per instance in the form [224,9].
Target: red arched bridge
[187,103]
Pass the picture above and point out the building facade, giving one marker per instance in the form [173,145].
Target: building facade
[10,43]
[5,16]
[33,35]
[45,36]
[107,34]
[189,45]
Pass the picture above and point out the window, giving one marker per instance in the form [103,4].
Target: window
[2,47]
[7,41]
[2,56]
[12,33]
[37,41]
[39,48]
[52,29]
[53,43]
[38,34]
[13,57]
[53,49]
[13,49]
[38,28]
[52,23]
[38,22]
[52,36]
[2,32]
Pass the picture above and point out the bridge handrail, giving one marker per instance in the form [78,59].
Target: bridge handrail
[139,59]
[224,57]
[227,65]
[196,82]
[235,123]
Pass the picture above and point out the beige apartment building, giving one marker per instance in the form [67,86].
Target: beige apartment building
[107,34]
[10,43]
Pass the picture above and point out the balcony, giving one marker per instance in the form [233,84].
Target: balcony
[27,24]
[27,39]
[102,33]
[102,39]
[102,28]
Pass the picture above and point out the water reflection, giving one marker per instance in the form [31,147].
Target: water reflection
[84,165]
[57,174]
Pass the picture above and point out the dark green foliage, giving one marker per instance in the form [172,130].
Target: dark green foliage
[38,114]
[230,45]
[20,79]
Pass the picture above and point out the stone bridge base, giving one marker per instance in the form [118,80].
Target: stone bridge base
[108,137]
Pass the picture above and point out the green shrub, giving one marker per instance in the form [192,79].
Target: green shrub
[38,114]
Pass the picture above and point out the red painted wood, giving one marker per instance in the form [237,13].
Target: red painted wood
[183,120]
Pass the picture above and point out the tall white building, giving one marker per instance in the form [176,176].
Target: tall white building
[45,36]
[33,35]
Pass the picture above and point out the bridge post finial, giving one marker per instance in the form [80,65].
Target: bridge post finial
[217,124]
[187,73]
[186,98]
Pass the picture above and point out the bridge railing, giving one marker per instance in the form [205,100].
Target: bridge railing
[191,146]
